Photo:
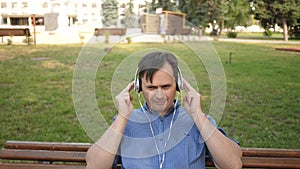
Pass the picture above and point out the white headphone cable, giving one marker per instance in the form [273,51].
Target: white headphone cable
[162,159]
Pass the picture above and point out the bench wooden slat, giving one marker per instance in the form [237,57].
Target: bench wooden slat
[249,152]
[47,146]
[266,162]
[39,166]
[271,152]
[75,152]
[43,155]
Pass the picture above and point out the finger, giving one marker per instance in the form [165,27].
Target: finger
[128,88]
[190,101]
[186,86]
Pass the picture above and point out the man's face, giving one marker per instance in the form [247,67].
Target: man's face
[160,94]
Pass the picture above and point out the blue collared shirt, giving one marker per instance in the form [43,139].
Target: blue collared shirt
[184,147]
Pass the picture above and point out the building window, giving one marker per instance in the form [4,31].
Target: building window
[74,20]
[94,5]
[4,21]
[14,5]
[45,5]
[3,5]
[25,4]
[19,21]
[84,5]
[38,21]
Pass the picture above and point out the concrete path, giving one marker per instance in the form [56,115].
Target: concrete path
[70,37]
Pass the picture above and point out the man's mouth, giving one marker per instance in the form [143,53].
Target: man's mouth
[159,103]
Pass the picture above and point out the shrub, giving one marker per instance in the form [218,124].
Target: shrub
[268,32]
[106,36]
[128,40]
[9,41]
[81,38]
[231,34]
[28,40]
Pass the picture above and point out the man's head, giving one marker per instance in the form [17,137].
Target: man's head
[158,76]
[154,61]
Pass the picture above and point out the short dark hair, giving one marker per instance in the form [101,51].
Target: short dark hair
[154,61]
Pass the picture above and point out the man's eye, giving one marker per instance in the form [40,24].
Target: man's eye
[150,87]
[166,87]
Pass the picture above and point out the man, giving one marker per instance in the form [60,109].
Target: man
[161,133]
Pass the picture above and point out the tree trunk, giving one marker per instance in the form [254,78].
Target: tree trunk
[221,27]
[285,29]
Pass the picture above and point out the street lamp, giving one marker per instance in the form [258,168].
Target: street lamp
[32,10]
[34,30]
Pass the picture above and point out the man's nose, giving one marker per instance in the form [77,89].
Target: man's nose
[159,93]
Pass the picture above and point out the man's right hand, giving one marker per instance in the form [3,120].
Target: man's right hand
[124,101]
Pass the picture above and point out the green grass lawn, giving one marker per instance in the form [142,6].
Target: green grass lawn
[262,104]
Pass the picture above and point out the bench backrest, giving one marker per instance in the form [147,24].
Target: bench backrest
[110,31]
[14,32]
[70,153]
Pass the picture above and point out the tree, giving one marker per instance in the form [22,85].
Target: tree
[130,18]
[164,4]
[237,13]
[283,12]
[196,12]
[110,13]
[222,13]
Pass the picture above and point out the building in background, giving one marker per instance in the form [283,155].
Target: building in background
[76,14]
[70,13]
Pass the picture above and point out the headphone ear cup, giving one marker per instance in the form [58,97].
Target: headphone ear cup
[136,85]
[137,82]
[179,85]
[140,85]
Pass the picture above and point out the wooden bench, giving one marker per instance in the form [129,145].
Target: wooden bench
[14,32]
[56,155]
[109,31]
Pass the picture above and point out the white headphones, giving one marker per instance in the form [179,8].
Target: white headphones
[138,82]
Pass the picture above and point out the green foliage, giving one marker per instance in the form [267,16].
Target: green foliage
[231,34]
[225,13]
[237,13]
[196,12]
[295,31]
[28,40]
[110,13]
[129,40]
[267,33]
[281,12]
[82,37]
[164,4]
[106,37]
[9,41]
[270,12]
[130,18]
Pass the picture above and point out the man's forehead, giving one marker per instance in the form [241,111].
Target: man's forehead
[163,77]
[167,68]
